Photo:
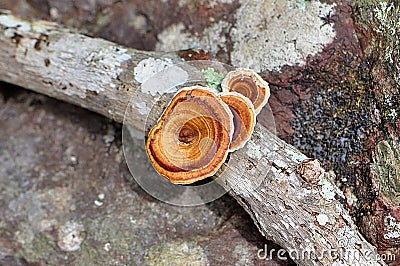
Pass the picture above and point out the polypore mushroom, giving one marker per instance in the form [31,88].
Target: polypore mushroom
[244,118]
[191,139]
[248,83]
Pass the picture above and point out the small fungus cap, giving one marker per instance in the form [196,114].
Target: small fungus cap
[248,83]
[244,118]
[191,139]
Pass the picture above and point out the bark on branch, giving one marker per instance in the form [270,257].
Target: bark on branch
[294,203]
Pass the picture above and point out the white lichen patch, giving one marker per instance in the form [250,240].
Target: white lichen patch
[386,167]
[161,79]
[328,191]
[70,236]
[297,4]
[392,227]
[296,156]
[142,108]
[266,35]
[150,66]
[322,219]
[386,13]
[383,14]
[109,58]
[280,164]
[271,34]
[214,3]
[43,26]
[10,21]
[104,65]
[176,37]
[339,263]
[347,237]
[254,150]
[208,3]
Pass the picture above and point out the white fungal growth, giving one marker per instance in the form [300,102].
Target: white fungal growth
[159,76]
[322,219]
[150,66]
[142,108]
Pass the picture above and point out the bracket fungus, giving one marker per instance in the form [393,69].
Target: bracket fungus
[191,139]
[244,118]
[248,83]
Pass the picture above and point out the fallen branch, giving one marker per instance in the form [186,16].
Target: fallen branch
[291,200]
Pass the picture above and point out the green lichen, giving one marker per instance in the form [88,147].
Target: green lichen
[382,17]
[113,237]
[381,20]
[297,4]
[176,253]
[388,23]
[213,78]
[386,167]
[328,190]
[42,246]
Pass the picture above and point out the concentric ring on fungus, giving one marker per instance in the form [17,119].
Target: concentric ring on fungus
[191,139]
[248,83]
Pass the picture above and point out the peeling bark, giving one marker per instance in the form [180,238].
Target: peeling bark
[267,177]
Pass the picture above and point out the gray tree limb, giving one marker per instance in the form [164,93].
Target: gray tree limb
[291,200]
